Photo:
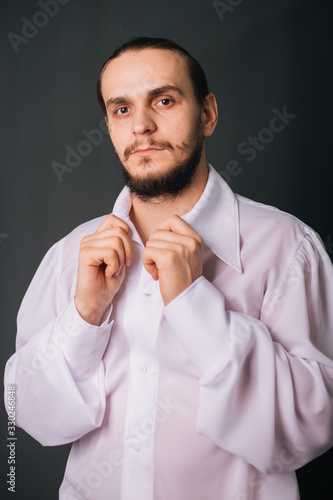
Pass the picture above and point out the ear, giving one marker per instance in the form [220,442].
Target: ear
[209,115]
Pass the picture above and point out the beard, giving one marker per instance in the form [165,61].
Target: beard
[167,185]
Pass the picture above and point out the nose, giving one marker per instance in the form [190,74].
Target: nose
[143,121]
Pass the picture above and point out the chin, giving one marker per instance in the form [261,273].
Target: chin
[148,167]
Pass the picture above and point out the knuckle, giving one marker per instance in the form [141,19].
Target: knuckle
[112,221]
[118,230]
[193,245]
[110,256]
[200,240]
[84,253]
[116,240]
[84,240]
[119,223]
[183,250]
[146,253]
[111,253]
[111,217]
[172,256]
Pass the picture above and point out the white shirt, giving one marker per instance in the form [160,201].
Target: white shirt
[220,395]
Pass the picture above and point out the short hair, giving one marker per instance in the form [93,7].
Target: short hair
[137,44]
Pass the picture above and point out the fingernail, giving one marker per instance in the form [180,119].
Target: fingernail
[129,261]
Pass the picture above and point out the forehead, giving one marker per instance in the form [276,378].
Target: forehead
[134,73]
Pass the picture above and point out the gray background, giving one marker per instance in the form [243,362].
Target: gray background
[264,54]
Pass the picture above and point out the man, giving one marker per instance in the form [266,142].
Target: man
[184,342]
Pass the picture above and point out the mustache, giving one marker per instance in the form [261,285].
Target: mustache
[152,143]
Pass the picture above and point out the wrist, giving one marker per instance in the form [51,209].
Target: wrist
[93,316]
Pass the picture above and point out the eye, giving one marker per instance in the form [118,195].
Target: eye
[165,101]
[121,111]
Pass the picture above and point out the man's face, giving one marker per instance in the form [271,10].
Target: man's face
[154,120]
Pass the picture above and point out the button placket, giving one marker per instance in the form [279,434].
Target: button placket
[143,380]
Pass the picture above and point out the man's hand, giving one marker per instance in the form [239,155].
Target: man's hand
[173,255]
[102,260]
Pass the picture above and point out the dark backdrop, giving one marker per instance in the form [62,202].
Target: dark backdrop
[259,56]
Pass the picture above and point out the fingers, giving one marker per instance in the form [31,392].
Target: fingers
[111,238]
[102,259]
[149,259]
[175,234]
[173,255]
[97,256]
[112,221]
[112,234]
[163,255]
[177,225]
[172,241]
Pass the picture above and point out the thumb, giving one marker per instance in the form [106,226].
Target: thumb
[149,264]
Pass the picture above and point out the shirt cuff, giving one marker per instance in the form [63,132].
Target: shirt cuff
[198,318]
[83,344]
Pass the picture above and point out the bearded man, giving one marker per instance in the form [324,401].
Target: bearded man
[183,343]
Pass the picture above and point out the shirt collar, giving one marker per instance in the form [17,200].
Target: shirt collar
[215,217]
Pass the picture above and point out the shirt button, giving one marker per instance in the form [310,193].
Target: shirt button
[147,294]
[136,448]
[91,370]
[143,369]
[97,351]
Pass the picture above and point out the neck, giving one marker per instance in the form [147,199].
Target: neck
[147,216]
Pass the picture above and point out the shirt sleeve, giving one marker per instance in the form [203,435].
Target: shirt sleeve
[266,385]
[58,366]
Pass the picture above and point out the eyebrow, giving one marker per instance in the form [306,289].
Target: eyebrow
[152,93]
[165,89]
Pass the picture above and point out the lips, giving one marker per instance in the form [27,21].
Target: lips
[146,151]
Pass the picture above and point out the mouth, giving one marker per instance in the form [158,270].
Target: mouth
[147,151]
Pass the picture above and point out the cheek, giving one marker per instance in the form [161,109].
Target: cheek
[115,137]
[183,125]
[171,128]
[119,133]
[176,125]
